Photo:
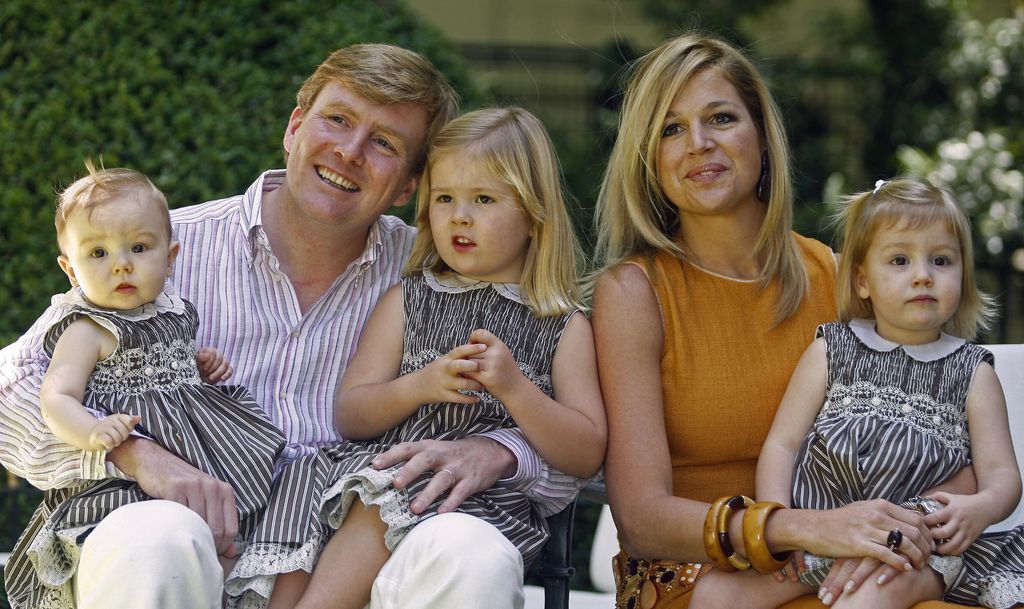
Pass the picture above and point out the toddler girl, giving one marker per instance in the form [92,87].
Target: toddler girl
[484,332]
[894,401]
[123,358]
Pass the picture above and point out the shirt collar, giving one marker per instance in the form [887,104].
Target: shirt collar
[451,282]
[946,344]
[251,218]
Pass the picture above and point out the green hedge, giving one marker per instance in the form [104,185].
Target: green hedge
[194,94]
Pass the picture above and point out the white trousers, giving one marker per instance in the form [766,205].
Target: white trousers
[161,554]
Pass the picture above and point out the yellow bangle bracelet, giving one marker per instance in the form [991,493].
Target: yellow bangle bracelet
[754,520]
[734,503]
[712,546]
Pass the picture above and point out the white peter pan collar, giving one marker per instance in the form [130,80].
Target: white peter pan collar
[453,283]
[168,301]
[945,345]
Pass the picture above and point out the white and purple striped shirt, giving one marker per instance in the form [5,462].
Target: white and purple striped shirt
[290,361]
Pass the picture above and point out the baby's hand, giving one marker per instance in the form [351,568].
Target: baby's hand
[445,378]
[212,365]
[498,371]
[109,432]
[960,522]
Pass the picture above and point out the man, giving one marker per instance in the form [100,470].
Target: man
[284,276]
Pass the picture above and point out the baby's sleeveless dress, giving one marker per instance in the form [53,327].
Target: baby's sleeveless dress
[440,313]
[152,373]
[894,424]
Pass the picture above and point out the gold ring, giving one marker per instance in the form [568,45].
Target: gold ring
[450,473]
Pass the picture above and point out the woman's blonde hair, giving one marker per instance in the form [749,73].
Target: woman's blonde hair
[907,203]
[634,216]
[102,185]
[515,148]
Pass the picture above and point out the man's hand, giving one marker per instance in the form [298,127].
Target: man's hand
[213,367]
[475,464]
[163,475]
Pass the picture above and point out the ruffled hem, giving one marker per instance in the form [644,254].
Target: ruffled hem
[54,553]
[1001,590]
[948,567]
[373,487]
[252,580]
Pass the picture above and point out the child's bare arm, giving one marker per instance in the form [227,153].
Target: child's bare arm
[81,345]
[801,403]
[569,431]
[965,517]
[372,398]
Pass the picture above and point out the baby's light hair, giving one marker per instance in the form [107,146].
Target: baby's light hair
[516,149]
[907,203]
[102,185]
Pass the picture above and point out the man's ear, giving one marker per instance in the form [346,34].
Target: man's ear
[293,125]
[406,195]
[860,282]
[65,265]
[172,254]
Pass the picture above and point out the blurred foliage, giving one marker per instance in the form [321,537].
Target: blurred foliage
[981,161]
[194,94]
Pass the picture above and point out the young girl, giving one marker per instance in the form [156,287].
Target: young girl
[893,401]
[485,332]
[123,358]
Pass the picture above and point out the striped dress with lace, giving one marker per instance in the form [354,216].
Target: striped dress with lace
[893,425]
[152,373]
[313,494]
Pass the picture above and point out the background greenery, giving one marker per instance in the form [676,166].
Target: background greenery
[197,94]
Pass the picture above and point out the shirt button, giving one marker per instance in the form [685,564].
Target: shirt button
[958,429]
[906,407]
[174,365]
[847,401]
[936,419]
[876,401]
[149,371]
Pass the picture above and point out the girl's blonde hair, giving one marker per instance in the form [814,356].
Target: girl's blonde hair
[907,203]
[102,185]
[634,216]
[516,149]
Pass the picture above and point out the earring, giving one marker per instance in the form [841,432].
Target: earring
[764,183]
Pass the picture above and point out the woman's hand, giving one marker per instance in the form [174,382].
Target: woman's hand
[847,574]
[960,522]
[860,529]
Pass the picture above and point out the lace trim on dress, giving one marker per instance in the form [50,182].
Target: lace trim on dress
[864,329]
[944,422]
[252,580]
[373,487]
[168,301]
[1000,590]
[54,555]
[453,283]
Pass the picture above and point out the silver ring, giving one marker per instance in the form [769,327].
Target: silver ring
[450,473]
[894,539]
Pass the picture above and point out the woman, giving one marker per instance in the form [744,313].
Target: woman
[705,304]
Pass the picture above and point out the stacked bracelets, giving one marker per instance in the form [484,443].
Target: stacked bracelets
[719,547]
